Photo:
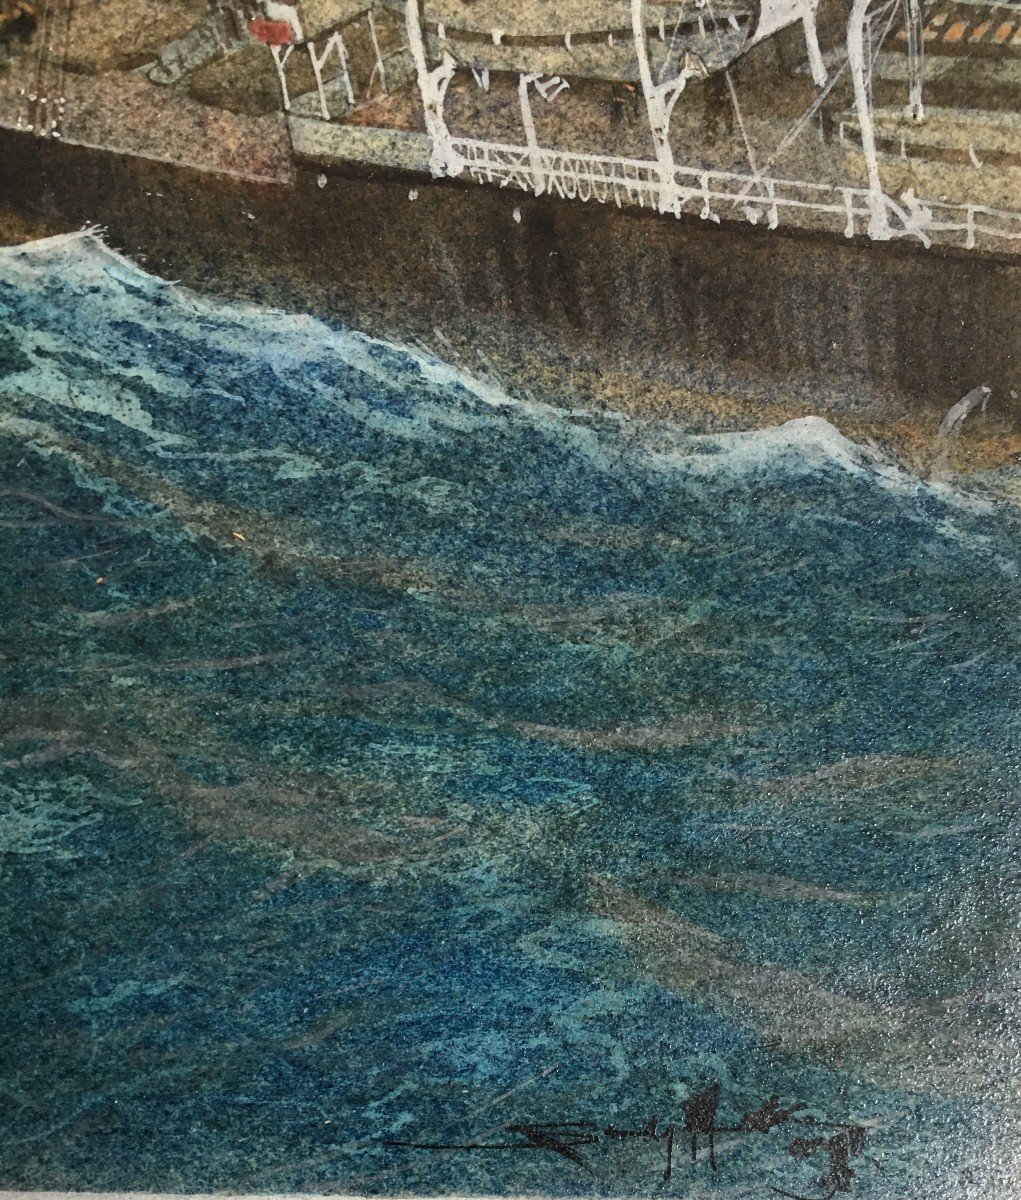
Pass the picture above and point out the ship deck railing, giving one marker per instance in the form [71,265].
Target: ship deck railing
[728,195]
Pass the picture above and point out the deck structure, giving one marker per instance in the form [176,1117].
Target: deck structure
[656,48]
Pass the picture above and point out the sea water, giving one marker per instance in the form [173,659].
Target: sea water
[388,764]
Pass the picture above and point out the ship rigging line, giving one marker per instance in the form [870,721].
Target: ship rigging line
[740,123]
[673,42]
[733,96]
[797,128]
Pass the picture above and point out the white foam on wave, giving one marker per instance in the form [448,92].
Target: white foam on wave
[451,399]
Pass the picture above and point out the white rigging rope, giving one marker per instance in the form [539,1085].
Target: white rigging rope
[673,42]
[799,126]
[733,94]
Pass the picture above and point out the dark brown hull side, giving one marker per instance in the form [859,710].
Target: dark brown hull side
[585,290]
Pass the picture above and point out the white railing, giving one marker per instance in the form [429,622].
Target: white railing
[570,176]
[715,195]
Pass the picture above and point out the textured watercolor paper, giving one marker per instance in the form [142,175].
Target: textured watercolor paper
[509,599]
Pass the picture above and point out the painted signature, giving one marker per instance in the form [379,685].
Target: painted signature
[835,1144]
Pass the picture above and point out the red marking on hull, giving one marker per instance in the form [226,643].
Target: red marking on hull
[271,33]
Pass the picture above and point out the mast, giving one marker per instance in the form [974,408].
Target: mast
[861,75]
[432,85]
[660,99]
[916,51]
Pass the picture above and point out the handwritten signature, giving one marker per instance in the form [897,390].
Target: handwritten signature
[837,1143]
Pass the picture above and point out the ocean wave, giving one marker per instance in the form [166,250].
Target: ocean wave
[419,397]
[530,740]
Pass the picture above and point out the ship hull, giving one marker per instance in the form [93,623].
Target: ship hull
[581,302]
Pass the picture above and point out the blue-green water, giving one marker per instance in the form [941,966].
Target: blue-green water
[387,761]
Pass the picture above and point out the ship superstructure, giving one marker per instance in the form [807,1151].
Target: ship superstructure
[891,119]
